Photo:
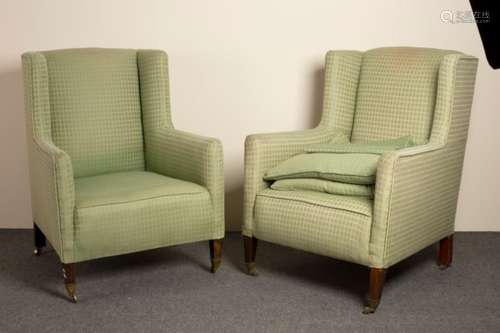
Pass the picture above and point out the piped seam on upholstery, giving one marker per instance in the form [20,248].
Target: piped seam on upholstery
[138,200]
[312,203]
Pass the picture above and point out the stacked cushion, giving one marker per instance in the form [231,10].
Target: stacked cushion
[320,185]
[345,168]
[337,167]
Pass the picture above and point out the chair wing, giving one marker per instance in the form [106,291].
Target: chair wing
[417,188]
[51,170]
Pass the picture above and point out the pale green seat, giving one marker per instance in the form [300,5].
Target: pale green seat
[340,224]
[130,186]
[109,173]
[381,94]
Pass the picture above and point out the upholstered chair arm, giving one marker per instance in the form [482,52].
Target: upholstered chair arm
[53,195]
[51,170]
[192,158]
[417,188]
[264,151]
[415,199]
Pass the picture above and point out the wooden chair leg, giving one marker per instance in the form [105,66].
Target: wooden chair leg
[215,254]
[69,280]
[445,255]
[40,241]
[377,279]
[250,245]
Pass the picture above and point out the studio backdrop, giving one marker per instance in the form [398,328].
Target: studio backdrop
[241,67]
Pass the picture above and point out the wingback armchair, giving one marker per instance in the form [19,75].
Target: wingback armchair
[109,173]
[379,94]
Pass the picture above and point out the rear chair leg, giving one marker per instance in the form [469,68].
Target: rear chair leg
[40,241]
[445,255]
[215,254]
[69,280]
[250,244]
[377,279]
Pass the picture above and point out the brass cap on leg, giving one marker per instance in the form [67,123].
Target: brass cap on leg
[251,268]
[71,290]
[215,265]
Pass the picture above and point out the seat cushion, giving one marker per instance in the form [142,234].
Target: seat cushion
[132,211]
[321,185]
[331,225]
[123,187]
[345,168]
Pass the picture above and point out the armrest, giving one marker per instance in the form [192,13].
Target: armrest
[53,195]
[192,158]
[189,157]
[415,200]
[264,151]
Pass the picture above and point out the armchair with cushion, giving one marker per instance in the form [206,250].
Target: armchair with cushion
[109,173]
[380,94]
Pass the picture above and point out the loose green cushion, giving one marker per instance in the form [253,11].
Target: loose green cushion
[321,185]
[370,147]
[346,168]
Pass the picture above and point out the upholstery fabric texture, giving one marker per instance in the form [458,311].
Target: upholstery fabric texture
[380,94]
[339,138]
[122,187]
[95,109]
[321,185]
[396,93]
[342,174]
[326,224]
[353,168]
[109,172]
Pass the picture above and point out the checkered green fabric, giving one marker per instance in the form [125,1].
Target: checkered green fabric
[342,72]
[396,93]
[265,151]
[109,173]
[95,109]
[321,185]
[417,188]
[346,168]
[142,210]
[370,147]
[326,224]
[123,187]
[427,94]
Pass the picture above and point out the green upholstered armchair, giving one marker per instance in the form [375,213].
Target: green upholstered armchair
[109,173]
[379,94]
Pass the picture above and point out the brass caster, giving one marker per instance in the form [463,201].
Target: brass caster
[251,268]
[71,290]
[68,271]
[371,306]
[368,309]
[37,251]
[215,265]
